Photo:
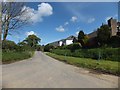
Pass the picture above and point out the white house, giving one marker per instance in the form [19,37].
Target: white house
[67,41]
[62,42]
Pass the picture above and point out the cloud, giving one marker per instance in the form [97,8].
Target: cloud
[73,19]
[30,33]
[77,33]
[66,23]
[60,29]
[77,11]
[44,9]
[90,20]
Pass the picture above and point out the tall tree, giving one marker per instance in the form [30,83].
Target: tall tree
[11,17]
[103,34]
[81,37]
[32,40]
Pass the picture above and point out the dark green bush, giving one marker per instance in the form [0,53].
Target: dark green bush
[8,45]
[103,53]
[48,48]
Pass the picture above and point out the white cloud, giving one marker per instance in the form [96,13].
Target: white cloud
[90,20]
[74,19]
[66,23]
[30,33]
[44,9]
[60,29]
[77,33]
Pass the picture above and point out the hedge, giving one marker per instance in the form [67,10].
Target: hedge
[112,54]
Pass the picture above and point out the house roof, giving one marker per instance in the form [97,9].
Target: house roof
[93,34]
[71,37]
[56,43]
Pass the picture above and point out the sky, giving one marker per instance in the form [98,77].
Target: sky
[52,21]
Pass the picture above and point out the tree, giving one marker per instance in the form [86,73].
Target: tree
[103,34]
[32,40]
[23,43]
[81,36]
[75,40]
[12,14]
[8,45]
[48,47]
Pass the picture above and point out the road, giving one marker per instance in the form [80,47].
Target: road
[42,71]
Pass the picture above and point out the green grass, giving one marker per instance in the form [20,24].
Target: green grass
[13,56]
[103,66]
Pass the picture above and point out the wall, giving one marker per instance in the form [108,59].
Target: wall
[68,42]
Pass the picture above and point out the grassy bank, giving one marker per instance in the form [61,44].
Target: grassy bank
[103,66]
[13,56]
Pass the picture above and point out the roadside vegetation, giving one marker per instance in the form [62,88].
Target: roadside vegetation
[102,66]
[13,56]
[100,53]
[111,54]
[12,52]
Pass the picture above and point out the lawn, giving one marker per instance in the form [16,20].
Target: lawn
[103,66]
[13,56]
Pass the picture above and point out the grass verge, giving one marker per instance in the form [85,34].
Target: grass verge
[103,66]
[13,56]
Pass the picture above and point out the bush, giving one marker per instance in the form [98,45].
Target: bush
[62,52]
[8,45]
[48,48]
[12,56]
[105,53]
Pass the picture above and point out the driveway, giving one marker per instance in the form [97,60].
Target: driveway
[42,71]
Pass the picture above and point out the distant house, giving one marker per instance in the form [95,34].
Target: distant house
[62,42]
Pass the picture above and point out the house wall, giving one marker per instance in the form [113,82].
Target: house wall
[113,24]
[60,43]
[68,42]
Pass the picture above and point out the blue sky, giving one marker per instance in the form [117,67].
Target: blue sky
[58,20]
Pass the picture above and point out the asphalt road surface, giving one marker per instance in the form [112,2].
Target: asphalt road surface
[42,71]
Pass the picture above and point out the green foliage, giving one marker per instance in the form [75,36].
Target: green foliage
[8,45]
[48,48]
[100,66]
[32,40]
[12,56]
[103,34]
[81,35]
[62,52]
[73,47]
[107,53]
[75,40]
[114,41]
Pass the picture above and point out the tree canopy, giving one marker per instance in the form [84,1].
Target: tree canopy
[12,12]
[32,40]
[103,34]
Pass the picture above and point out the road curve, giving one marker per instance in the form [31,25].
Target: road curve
[42,71]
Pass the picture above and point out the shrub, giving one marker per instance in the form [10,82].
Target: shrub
[103,53]
[8,45]
[12,56]
[48,48]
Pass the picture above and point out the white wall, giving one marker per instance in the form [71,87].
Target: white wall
[60,43]
[68,42]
